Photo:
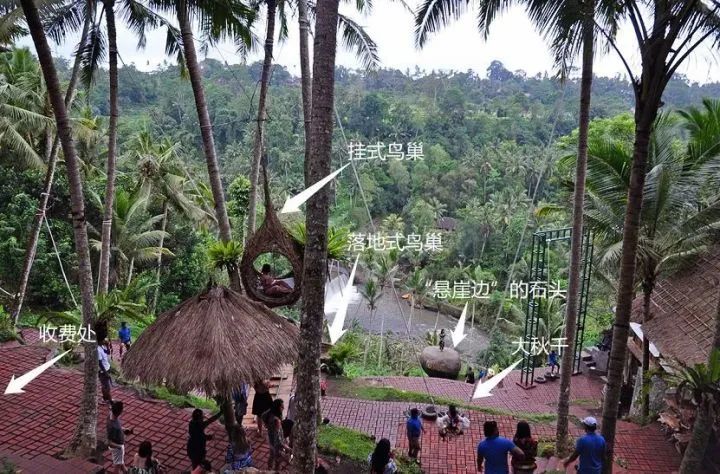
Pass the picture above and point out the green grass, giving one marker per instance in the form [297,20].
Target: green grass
[355,446]
[390,394]
[183,401]
[6,467]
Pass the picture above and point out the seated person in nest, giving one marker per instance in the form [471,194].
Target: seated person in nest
[272,286]
[452,423]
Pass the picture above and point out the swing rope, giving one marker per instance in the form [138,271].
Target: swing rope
[57,254]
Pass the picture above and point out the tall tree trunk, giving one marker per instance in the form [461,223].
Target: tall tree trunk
[305,73]
[33,239]
[259,145]
[105,241]
[648,286]
[130,271]
[159,259]
[626,281]
[84,439]
[706,413]
[576,239]
[313,294]
[193,68]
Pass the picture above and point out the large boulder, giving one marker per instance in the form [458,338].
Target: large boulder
[442,364]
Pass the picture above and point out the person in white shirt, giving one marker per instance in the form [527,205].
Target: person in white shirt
[104,373]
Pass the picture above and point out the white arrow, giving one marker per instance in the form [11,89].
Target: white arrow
[16,384]
[293,204]
[336,328]
[482,390]
[458,334]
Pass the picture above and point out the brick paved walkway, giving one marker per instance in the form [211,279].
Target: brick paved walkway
[541,399]
[38,424]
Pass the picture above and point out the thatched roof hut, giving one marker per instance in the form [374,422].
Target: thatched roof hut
[212,342]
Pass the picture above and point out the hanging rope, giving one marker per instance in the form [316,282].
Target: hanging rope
[62,269]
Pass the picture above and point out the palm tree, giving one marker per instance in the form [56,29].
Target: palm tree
[134,237]
[667,33]
[313,291]
[570,26]
[84,438]
[104,267]
[416,284]
[218,19]
[372,294]
[259,143]
[161,176]
[673,227]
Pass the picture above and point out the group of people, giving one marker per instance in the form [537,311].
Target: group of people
[492,452]
[270,418]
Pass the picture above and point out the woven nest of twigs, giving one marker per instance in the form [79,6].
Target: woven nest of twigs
[271,237]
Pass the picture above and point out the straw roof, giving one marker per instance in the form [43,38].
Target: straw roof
[212,342]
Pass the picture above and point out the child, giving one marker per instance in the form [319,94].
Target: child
[116,437]
[414,429]
[124,336]
[452,423]
[323,387]
[553,362]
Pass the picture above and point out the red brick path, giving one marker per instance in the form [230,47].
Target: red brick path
[39,423]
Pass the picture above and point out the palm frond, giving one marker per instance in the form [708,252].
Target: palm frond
[435,14]
[355,38]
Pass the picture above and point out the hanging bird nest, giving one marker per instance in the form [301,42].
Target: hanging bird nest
[212,342]
[271,237]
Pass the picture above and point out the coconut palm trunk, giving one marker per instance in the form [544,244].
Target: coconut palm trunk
[195,74]
[313,291]
[648,286]
[305,73]
[645,116]
[705,414]
[34,238]
[576,239]
[84,439]
[259,145]
[105,241]
[159,259]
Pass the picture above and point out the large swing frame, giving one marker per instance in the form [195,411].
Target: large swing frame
[534,312]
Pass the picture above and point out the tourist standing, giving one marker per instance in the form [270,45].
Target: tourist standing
[494,449]
[523,439]
[414,430]
[197,439]
[239,452]
[381,460]
[144,462]
[116,437]
[104,372]
[124,336]
[470,375]
[240,397]
[273,422]
[262,402]
[590,448]
[553,362]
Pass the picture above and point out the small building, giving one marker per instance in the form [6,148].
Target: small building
[681,328]
[447,224]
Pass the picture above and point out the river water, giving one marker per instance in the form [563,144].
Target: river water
[396,313]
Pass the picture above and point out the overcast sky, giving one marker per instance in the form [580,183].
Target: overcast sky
[513,41]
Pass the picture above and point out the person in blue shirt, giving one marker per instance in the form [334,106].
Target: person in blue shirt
[494,450]
[553,361]
[590,448]
[124,336]
[414,429]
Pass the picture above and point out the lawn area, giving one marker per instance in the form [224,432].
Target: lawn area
[359,390]
[355,446]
